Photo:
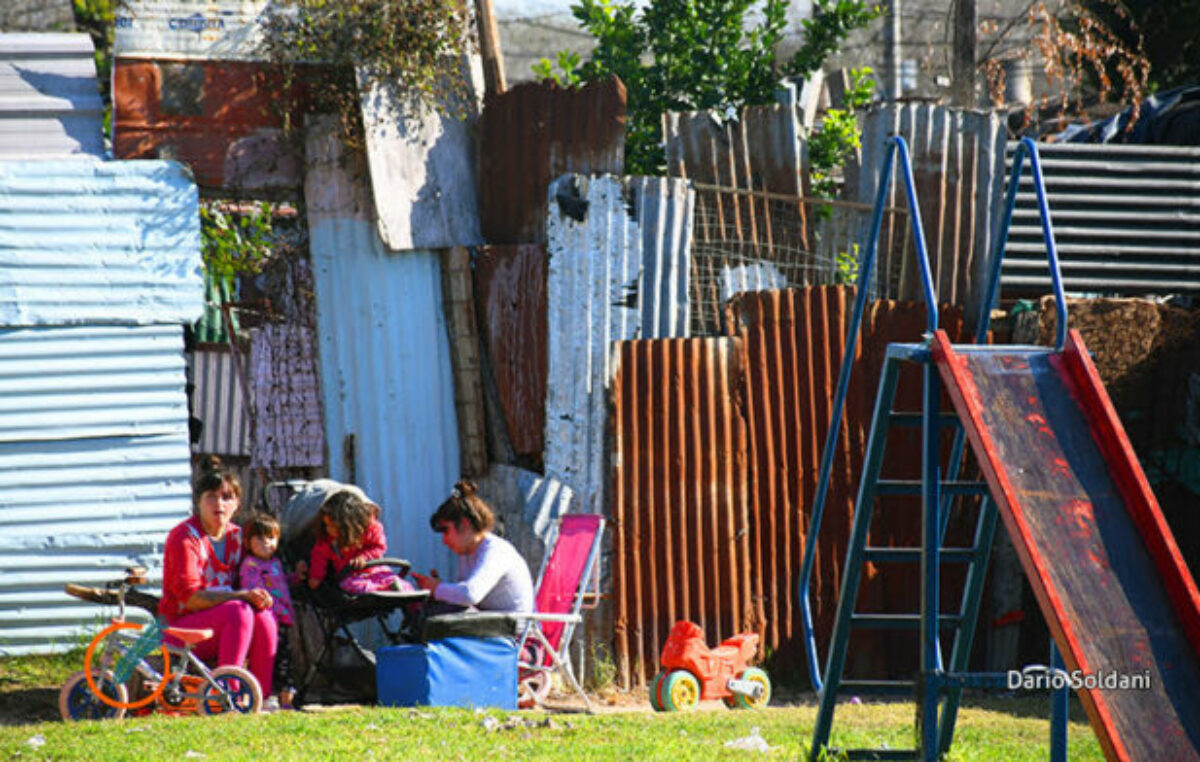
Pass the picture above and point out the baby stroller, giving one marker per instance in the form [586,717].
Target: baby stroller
[335,610]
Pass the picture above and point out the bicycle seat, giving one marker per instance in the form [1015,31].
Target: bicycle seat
[189,637]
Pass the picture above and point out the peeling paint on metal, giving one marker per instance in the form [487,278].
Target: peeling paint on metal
[681,497]
[532,134]
[215,30]
[288,432]
[422,166]
[1126,221]
[958,167]
[94,468]
[84,241]
[387,386]
[50,105]
[510,294]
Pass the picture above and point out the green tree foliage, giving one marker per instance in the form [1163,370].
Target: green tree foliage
[695,55]
[235,242]
[96,18]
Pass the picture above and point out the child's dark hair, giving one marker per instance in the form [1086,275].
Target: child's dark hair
[260,525]
[350,514]
[211,474]
[464,504]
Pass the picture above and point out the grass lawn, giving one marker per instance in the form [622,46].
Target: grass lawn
[1008,730]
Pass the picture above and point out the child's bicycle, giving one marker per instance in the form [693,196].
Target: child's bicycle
[120,675]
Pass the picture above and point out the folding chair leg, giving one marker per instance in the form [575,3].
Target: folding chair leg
[564,667]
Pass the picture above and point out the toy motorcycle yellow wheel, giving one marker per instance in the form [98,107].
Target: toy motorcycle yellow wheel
[680,691]
[754,675]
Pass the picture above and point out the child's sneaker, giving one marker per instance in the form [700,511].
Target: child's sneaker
[286,698]
[270,705]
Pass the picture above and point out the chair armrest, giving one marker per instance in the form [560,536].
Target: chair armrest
[562,618]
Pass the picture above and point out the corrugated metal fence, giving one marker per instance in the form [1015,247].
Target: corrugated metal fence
[717,446]
[1126,221]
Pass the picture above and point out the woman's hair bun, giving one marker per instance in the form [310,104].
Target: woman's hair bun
[210,464]
[466,488]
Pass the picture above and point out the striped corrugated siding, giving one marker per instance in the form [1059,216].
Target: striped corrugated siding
[94,468]
[957,159]
[84,241]
[592,287]
[680,505]
[218,402]
[663,207]
[1126,221]
[386,383]
[50,105]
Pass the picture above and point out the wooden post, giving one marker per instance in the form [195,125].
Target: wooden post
[489,47]
[962,58]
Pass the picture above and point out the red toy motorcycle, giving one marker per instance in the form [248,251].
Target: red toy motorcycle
[692,671]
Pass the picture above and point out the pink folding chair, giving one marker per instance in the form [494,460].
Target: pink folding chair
[562,585]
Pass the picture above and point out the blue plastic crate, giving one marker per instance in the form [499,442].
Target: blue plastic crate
[468,672]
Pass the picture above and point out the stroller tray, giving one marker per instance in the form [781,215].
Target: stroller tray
[466,672]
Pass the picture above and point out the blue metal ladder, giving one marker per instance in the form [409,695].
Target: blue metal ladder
[939,686]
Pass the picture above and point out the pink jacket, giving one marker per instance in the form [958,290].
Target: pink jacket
[372,546]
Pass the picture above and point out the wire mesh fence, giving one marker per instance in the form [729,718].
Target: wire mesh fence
[753,240]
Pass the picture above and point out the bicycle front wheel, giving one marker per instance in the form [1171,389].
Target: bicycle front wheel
[76,701]
[105,655]
[232,689]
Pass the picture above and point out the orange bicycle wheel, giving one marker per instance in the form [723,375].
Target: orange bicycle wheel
[101,637]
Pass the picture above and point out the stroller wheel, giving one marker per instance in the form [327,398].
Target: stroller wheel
[238,692]
[77,702]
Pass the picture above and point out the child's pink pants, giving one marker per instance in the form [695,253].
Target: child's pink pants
[241,634]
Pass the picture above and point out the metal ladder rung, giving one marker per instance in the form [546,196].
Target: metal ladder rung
[913,420]
[885,487]
[913,555]
[898,621]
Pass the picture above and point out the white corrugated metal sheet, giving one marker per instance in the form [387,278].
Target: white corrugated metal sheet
[663,207]
[94,468]
[218,401]
[386,380]
[592,290]
[50,105]
[98,242]
[423,170]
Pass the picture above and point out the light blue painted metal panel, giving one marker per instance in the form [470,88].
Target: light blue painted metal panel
[85,241]
[50,105]
[664,209]
[94,468]
[385,359]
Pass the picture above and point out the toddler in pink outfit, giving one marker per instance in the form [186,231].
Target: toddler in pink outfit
[349,535]
[260,568]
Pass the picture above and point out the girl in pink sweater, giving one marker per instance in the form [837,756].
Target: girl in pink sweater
[348,536]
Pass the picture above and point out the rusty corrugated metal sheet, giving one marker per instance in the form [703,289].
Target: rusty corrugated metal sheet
[794,342]
[681,493]
[958,168]
[533,133]
[510,294]
[219,117]
[458,305]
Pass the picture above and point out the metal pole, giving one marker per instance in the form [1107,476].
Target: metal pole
[895,55]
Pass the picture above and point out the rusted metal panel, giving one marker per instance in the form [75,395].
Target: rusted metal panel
[458,303]
[533,133]
[958,168]
[218,401]
[215,116]
[794,343]
[1126,221]
[422,168]
[50,106]
[510,294]
[680,498]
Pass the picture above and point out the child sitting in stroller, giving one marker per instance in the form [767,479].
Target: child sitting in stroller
[349,535]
